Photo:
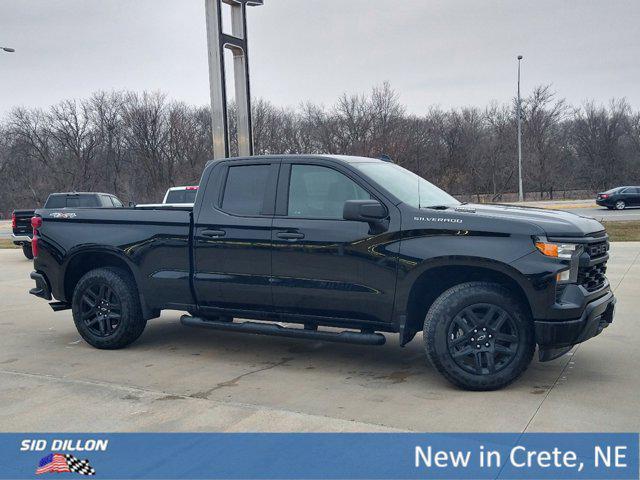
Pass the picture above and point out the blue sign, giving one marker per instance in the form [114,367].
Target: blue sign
[320,455]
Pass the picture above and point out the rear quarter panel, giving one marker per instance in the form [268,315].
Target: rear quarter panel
[153,243]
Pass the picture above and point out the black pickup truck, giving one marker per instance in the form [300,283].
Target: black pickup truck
[357,244]
[21,219]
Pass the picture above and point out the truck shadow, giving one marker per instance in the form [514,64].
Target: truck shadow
[389,361]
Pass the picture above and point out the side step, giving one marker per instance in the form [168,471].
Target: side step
[280,331]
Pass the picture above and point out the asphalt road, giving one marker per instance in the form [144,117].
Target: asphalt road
[179,379]
[602,214]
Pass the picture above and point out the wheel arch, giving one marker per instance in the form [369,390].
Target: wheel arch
[84,260]
[425,285]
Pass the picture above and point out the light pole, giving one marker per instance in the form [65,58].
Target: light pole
[8,49]
[520,191]
[236,41]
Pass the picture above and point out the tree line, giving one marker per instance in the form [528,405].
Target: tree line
[136,145]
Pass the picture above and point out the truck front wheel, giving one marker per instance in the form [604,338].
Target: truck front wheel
[106,308]
[479,336]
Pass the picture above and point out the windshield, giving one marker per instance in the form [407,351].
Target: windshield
[405,185]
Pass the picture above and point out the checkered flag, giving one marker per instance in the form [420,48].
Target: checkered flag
[79,466]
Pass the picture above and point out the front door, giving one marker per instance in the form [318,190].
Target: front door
[323,265]
[232,238]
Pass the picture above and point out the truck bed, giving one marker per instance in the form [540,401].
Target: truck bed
[154,243]
[23,222]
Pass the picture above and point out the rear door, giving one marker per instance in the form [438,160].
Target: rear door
[634,197]
[232,237]
[323,265]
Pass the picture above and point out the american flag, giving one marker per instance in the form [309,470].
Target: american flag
[54,462]
[61,463]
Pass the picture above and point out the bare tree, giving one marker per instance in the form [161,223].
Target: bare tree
[138,144]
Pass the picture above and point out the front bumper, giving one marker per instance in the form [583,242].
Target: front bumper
[20,239]
[42,288]
[555,338]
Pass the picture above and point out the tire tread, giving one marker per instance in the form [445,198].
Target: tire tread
[438,310]
[133,326]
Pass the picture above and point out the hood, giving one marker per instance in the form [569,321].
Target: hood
[556,223]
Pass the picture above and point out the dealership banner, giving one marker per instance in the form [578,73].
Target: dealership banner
[319,455]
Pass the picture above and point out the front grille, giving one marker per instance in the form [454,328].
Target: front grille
[597,250]
[592,278]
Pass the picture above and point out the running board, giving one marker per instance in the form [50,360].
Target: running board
[359,338]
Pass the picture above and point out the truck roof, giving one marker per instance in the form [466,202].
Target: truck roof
[80,193]
[348,159]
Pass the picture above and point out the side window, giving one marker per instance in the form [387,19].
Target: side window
[116,202]
[320,192]
[245,189]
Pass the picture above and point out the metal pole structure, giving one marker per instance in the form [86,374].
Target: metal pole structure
[236,42]
[520,191]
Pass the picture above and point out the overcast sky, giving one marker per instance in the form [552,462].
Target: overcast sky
[445,52]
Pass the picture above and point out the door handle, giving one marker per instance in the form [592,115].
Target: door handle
[290,235]
[213,233]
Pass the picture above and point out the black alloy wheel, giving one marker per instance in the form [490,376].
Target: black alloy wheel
[106,308]
[482,339]
[479,335]
[101,310]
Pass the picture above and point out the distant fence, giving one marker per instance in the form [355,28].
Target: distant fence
[529,196]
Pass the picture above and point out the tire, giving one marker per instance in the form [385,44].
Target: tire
[106,308]
[458,316]
[620,205]
[26,249]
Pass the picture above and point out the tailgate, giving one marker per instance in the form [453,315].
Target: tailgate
[23,223]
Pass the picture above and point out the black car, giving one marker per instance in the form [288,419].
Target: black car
[21,219]
[356,244]
[619,198]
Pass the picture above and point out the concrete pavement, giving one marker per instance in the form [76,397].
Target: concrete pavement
[180,379]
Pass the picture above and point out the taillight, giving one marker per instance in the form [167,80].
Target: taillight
[36,223]
[192,188]
[13,220]
[604,195]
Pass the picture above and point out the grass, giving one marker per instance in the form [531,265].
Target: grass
[623,231]
[7,243]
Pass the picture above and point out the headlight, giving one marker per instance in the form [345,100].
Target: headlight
[564,251]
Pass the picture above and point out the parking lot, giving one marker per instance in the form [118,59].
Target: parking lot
[180,379]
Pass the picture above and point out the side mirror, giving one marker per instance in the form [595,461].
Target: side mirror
[132,204]
[371,211]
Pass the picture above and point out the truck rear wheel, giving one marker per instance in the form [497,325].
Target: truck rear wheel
[479,336]
[106,308]
[26,249]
